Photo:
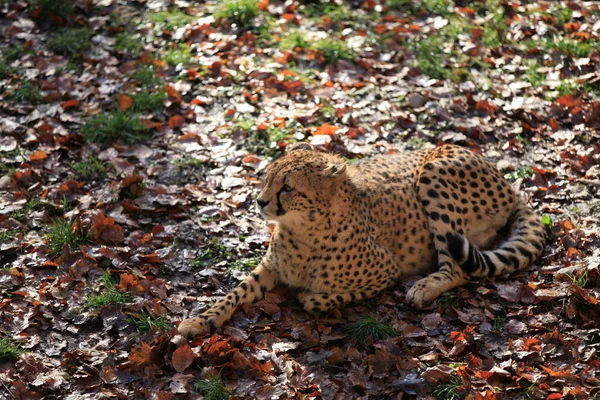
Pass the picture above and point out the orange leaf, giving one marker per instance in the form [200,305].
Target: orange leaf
[38,155]
[140,355]
[554,396]
[70,103]
[176,121]
[263,4]
[182,358]
[125,102]
[173,94]
[325,129]
[104,230]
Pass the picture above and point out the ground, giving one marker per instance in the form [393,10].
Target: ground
[134,136]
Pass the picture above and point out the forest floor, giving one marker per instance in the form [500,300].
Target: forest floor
[134,136]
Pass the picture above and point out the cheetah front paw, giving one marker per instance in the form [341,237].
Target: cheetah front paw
[194,327]
[422,293]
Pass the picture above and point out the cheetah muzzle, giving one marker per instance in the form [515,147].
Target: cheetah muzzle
[347,232]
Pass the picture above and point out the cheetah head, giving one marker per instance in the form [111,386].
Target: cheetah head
[300,186]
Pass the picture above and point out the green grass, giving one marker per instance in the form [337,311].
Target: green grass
[369,328]
[25,91]
[213,253]
[147,101]
[562,15]
[6,70]
[211,388]
[131,43]
[144,323]
[260,141]
[169,20]
[447,300]
[7,235]
[181,54]
[58,8]
[519,173]
[108,295]
[14,52]
[449,390]
[430,55]
[581,280]
[248,263]
[108,127]
[498,324]
[146,76]
[9,350]
[70,42]
[438,7]
[61,233]
[334,49]
[238,12]
[295,40]
[571,48]
[88,169]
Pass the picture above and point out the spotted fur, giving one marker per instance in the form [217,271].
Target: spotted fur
[346,232]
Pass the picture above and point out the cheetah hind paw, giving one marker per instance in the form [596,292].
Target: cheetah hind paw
[421,294]
[194,327]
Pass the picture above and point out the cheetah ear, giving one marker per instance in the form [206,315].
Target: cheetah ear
[301,146]
[336,169]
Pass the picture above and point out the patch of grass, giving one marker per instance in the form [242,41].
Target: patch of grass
[181,54]
[25,91]
[429,55]
[170,19]
[88,169]
[562,15]
[450,390]
[581,280]
[70,42]
[369,328]
[519,173]
[7,235]
[532,75]
[211,388]
[294,40]
[398,4]
[146,101]
[108,295]
[9,350]
[447,300]
[334,49]
[146,76]
[54,7]
[61,233]
[6,70]
[14,52]
[125,41]
[144,323]
[438,7]
[108,127]
[214,252]
[570,47]
[248,263]
[261,141]
[238,12]
[498,324]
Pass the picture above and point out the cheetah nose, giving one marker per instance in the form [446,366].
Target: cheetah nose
[262,203]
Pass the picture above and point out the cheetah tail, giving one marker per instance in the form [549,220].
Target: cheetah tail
[523,245]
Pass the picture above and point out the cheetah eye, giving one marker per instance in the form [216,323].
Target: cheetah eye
[287,188]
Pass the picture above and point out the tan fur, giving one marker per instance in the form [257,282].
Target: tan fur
[346,232]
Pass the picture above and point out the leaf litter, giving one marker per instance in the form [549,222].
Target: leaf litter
[135,136]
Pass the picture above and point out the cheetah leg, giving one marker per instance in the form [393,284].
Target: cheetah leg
[426,290]
[251,289]
[316,303]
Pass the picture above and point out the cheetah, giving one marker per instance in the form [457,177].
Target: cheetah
[345,232]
